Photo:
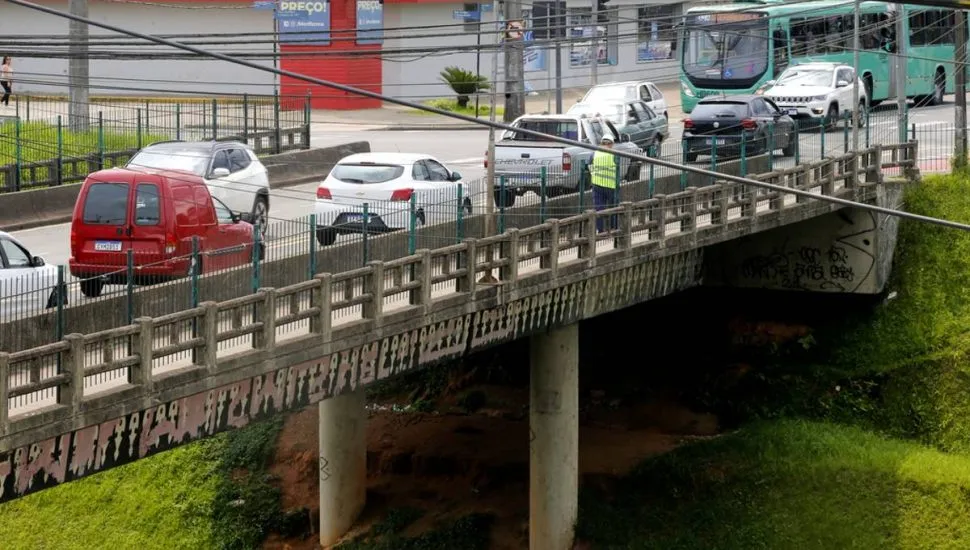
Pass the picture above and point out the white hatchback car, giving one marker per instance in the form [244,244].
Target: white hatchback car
[27,284]
[816,91]
[392,186]
[231,170]
[621,92]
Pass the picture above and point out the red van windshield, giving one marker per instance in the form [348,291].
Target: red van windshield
[106,204]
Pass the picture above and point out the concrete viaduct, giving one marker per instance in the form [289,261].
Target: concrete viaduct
[322,341]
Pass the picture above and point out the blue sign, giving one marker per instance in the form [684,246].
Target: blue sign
[467,16]
[304,22]
[264,5]
[370,21]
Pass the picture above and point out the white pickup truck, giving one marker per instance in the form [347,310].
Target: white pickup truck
[519,157]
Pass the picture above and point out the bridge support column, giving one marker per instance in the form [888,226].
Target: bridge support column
[554,445]
[343,464]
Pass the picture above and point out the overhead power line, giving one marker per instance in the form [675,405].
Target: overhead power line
[496,125]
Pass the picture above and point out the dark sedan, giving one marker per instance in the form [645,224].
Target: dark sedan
[718,126]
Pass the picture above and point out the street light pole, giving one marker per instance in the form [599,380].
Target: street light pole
[488,278]
[79,114]
[478,54]
[593,76]
[855,73]
[960,65]
[901,72]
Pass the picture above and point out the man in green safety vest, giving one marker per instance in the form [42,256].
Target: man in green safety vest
[605,193]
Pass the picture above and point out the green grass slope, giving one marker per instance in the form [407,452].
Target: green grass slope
[787,484]
[161,502]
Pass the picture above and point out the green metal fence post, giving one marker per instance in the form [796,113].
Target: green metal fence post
[306,120]
[27,102]
[178,121]
[713,157]
[845,131]
[365,223]
[61,297]
[130,280]
[582,184]
[257,245]
[412,224]
[683,175]
[543,174]
[195,271]
[501,205]
[617,179]
[215,119]
[798,141]
[195,293]
[311,242]
[770,144]
[245,106]
[100,140]
[277,135]
[821,136]
[651,179]
[148,115]
[744,155]
[914,131]
[18,155]
[60,150]
[138,126]
[460,219]
[868,125]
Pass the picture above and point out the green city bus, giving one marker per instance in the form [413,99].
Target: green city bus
[736,48]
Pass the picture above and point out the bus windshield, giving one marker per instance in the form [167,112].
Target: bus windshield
[737,51]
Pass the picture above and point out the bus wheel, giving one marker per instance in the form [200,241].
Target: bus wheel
[939,88]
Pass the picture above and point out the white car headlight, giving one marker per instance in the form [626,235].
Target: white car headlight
[820,98]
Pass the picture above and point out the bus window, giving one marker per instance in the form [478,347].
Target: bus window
[780,50]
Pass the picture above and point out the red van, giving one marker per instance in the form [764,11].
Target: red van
[156,214]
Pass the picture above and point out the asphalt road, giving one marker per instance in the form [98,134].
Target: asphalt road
[463,150]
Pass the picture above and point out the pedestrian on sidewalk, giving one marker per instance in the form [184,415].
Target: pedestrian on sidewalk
[604,183]
[6,80]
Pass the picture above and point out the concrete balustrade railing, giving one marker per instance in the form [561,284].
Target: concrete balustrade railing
[431,285]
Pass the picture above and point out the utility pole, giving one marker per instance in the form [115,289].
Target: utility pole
[490,154]
[514,48]
[900,41]
[960,65]
[855,73]
[559,29]
[77,68]
[595,41]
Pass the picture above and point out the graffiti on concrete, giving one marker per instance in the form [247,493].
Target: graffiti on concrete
[142,433]
[842,265]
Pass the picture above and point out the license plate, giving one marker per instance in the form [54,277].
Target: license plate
[720,141]
[355,217]
[108,246]
[791,112]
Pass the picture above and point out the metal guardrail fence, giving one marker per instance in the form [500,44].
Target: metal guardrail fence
[129,358]
[39,149]
[44,308]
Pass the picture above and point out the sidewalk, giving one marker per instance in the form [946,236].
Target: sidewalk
[395,117]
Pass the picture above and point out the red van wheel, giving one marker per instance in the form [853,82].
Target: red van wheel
[92,287]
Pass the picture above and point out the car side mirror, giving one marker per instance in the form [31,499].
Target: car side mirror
[624,138]
[455,176]
[37,261]
[243,216]
[841,84]
[220,172]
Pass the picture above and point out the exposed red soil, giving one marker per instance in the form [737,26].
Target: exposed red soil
[452,464]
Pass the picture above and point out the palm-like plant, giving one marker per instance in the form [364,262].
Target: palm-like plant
[464,83]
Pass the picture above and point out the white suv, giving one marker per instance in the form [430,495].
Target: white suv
[231,170]
[816,91]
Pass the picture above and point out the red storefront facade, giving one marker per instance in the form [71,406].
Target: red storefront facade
[343,60]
